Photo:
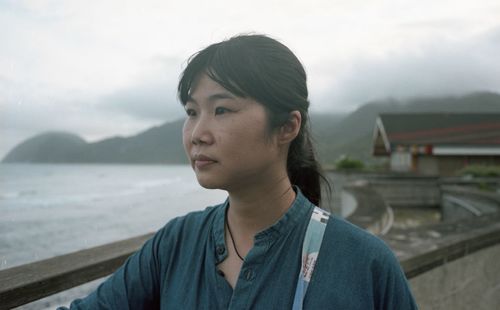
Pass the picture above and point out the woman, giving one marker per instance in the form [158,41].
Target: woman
[246,132]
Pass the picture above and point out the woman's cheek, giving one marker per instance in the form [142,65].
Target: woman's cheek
[186,134]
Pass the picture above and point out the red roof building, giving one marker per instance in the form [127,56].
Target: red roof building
[437,143]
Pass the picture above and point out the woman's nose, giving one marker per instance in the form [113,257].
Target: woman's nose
[202,133]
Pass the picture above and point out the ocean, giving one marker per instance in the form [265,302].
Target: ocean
[48,210]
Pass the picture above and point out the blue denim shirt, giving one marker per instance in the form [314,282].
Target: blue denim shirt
[177,268]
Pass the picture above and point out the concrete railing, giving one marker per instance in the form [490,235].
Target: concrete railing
[452,264]
[23,284]
[457,268]
[470,282]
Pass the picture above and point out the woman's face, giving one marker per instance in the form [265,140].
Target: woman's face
[227,139]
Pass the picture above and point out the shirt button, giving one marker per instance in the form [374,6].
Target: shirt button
[249,274]
[220,250]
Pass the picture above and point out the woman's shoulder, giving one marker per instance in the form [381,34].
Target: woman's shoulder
[353,241]
[359,269]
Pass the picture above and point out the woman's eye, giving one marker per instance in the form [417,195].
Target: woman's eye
[190,112]
[221,110]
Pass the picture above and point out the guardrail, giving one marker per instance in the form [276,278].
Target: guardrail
[26,283]
[23,284]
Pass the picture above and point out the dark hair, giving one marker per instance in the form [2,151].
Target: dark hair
[261,68]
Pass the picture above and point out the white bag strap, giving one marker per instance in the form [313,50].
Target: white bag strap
[310,250]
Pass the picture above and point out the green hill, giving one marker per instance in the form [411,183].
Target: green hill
[47,148]
[335,135]
[162,144]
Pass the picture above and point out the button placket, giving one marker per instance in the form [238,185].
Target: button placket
[220,250]
[249,274]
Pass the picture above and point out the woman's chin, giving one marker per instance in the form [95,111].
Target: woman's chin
[207,183]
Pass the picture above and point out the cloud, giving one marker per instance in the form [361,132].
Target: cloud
[91,69]
[152,96]
[444,67]
[26,110]
[149,99]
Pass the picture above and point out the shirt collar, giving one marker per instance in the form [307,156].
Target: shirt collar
[300,207]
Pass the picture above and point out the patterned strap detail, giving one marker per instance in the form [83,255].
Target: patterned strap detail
[310,251]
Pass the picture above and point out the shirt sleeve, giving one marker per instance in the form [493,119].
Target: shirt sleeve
[392,288]
[135,285]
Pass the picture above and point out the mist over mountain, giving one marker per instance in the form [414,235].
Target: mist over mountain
[352,136]
[335,135]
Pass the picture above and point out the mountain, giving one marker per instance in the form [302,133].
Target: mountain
[161,144]
[335,135]
[352,136]
[47,147]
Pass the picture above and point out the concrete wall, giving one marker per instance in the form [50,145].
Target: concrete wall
[451,211]
[408,192]
[449,165]
[471,282]
[461,202]
[396,190]
[451,265]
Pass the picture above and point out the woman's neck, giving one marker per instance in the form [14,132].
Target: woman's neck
[255,209]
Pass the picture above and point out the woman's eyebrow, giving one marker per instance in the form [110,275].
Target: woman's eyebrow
[212,98]
[219,96]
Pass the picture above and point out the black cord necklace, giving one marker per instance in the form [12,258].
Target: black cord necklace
[232,239]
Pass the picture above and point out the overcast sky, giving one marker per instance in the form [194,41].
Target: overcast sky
[103,68]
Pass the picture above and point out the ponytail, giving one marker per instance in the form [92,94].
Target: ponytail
[303,168]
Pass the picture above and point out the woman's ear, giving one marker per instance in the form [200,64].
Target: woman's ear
[291,128]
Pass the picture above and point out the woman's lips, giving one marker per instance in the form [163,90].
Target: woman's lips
[202,161]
